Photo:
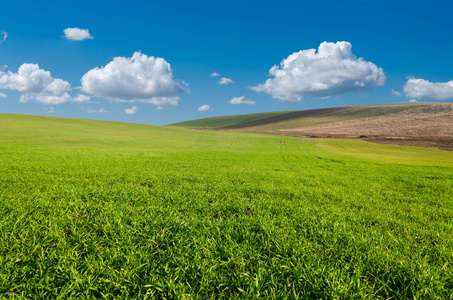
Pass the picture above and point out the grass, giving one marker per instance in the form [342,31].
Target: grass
[109,210]
[223,121]
[386,153]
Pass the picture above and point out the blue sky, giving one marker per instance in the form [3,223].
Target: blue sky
[151,61]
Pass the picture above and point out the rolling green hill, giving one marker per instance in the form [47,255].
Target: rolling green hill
[274,121]
[94,209]
[223,121]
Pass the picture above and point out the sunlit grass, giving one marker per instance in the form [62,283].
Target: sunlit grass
[111,210]
[387,153]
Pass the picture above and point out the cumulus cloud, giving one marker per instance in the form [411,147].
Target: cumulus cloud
[240,100]
[204,107]
[39,85]
[225,81]
[3,95]
[5,35]
[331,70]
[395,93]
[413,101]
[140,78]
[423,89]
[215,74]
[77,34]
[131,111]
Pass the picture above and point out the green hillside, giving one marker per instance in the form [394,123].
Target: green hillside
[93,209]
[272,121]
[223,121]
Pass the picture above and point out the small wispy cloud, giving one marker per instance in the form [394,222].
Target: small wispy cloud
[77,34]
[225,81]
[160,108]
[90,110]
[3,95]
[82,98]
[214,74]
[240,100]
[5,35]
[413,101]
[395,93]
[50,110]
[131,111]
[204,107]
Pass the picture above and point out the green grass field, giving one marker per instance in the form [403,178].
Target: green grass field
[94,209]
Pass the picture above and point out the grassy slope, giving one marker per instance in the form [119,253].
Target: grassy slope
[389,153]
[222,121]
[104,209]
[329,116]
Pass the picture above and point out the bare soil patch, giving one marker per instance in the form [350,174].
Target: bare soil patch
[426,126]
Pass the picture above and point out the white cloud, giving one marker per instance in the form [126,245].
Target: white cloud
[77,34]
[423,89]
[92,110]
[160,108]
[81,98]
[204,107]
[395,93]
[3,95]
[413,100]
[225,81]
[240,100]
[140,78]
[5,35]
[50,110]
[39,85]
[331,70]
[131,111]
[214,74]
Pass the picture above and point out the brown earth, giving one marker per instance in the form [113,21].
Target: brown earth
[426,126]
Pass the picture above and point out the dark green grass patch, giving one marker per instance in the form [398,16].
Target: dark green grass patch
[222,121]
[108,210]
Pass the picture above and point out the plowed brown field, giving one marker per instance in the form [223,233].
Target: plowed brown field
[426,126]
